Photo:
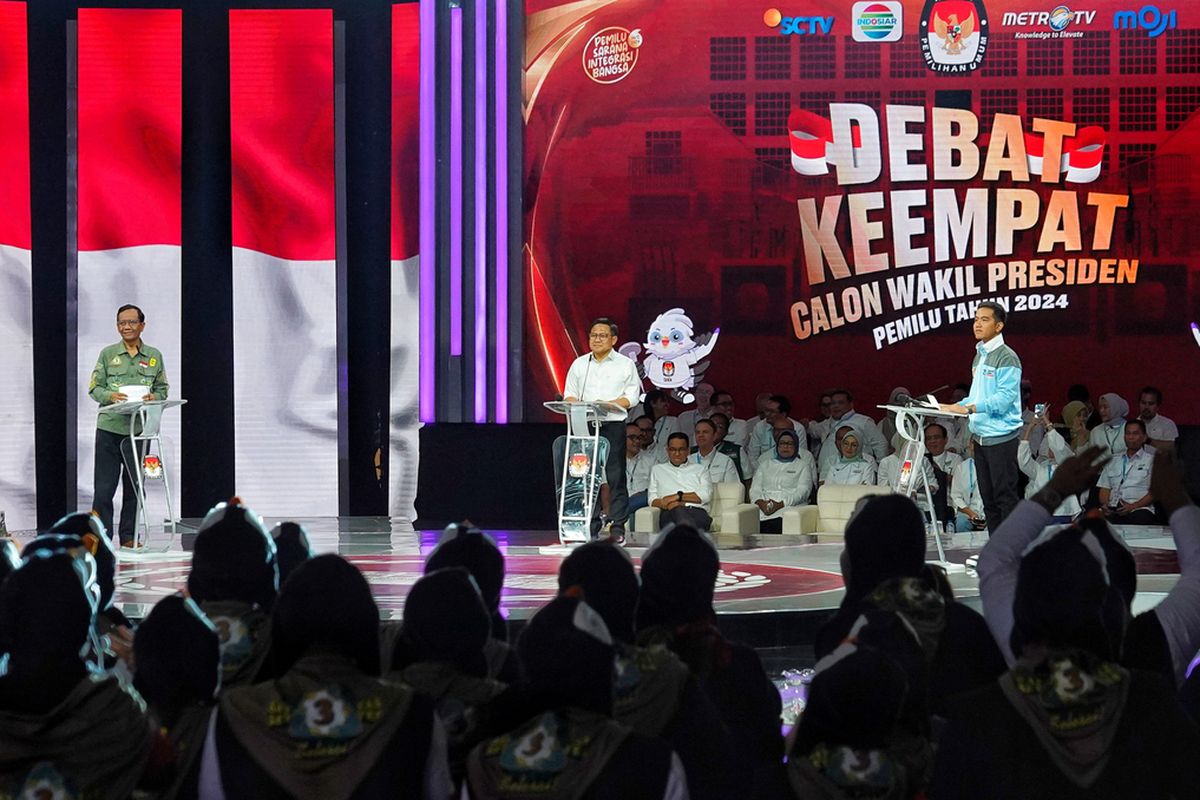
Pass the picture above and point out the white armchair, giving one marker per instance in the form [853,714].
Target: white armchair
[730,513]
[826,521]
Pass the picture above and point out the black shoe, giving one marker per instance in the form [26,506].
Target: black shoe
[616,534]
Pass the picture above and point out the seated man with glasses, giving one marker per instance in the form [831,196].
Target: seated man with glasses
[680,488]
[129,362]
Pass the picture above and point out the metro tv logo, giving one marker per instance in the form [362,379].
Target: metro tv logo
[799,26]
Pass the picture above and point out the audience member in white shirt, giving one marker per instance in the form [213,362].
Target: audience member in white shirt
[1124,486]
[720,467]
[606,375]
[735,451]
[782,424]
[646,428]
[739,429]
[704,394]
[681,488]
[657,408]
[782,481]
[843,414]
[1040,469]
[853,467]
[1110,433]
[637,468]
[958,429]
[762,437]
[1161,431]
[887,425]
[818,429]
[964,494]
[943,462]
[1029,414]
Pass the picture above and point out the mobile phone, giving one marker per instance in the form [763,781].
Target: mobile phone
[1039,410]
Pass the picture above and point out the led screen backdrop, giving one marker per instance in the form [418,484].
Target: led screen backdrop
[129,144]
[284,275]
[17,497]
[834,184]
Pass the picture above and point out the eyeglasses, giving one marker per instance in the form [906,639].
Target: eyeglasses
[633,436]
[127,323]
[599,335]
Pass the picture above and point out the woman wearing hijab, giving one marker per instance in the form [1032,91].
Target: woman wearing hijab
[853,467]
[1040,467]
[1100,730]
[1110,433]
[785,480]
[1075,414]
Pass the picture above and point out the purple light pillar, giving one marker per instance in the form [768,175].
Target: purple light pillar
[500,71]
[427,257]
[481,242]
[456,176]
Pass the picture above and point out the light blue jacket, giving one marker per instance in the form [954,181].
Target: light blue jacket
[995,393]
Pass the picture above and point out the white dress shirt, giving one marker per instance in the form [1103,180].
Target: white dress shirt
[688,477]
[852,473]
[1161,429]
[787,482]
[720,467]
[1128,477]
[870,440]
[637,472]
[1109,437]
[739,431]
[1041,470]
[615,376]
[964,487]
[688,419]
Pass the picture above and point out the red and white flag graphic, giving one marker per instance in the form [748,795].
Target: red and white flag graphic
[129,224]
[811,138]
[18,500]
[284,273]
[1082,154]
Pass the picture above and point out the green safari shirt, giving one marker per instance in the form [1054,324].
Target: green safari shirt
[116,368]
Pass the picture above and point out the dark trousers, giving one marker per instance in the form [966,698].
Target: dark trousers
[614,471]
[694,516]
[996,466]
[113,449]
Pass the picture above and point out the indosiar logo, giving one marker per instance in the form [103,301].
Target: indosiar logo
[881,21]
[799,26]
[1149,18]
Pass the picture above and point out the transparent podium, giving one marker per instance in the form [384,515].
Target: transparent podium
[910,423]
[583,454]
[144,434]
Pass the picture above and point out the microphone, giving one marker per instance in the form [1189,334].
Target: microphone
[938,389]
[903,399]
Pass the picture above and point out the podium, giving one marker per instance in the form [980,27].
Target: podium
[145,425]
[910,424]
[584,451]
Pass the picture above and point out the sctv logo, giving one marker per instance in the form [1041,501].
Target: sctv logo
[799,26]
[1148,18]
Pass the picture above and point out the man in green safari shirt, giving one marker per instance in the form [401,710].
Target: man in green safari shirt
[129,362]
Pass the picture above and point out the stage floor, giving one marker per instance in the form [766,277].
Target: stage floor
[786,578]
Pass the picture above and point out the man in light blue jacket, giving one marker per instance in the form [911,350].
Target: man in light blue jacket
[994,405]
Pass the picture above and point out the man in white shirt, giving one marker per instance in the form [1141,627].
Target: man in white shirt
[965,497]
[1124,486]
[646,428]
[842,414]
[704,394]
[943,463]
[736,453]
[762,436]
[637,468]
[739,429]
[680,488]
[1161,431]
[606,375]
[719,466]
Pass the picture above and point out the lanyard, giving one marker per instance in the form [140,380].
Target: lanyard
[1112,440]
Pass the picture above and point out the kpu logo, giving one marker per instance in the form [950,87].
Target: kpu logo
[1148,18]
[878,21]
[954,35]
[799,26]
